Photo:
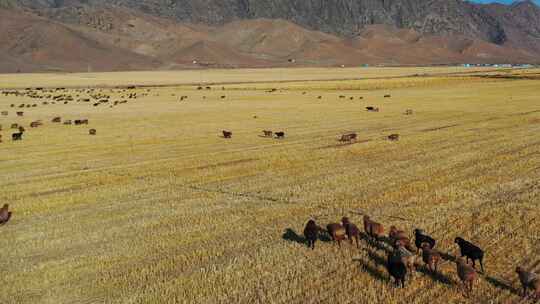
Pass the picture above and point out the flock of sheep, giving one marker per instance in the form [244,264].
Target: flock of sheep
[96,97]
[403,258]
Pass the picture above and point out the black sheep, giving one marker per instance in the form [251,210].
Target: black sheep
[470,251]
[420,237]
[397,269]
[311,232]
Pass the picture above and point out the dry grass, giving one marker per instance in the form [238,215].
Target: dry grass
[157,208]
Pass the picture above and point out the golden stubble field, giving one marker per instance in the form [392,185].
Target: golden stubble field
[158,208]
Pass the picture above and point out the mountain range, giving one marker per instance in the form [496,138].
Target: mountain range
[99,35]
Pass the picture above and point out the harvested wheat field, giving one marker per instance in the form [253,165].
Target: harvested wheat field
[159,207]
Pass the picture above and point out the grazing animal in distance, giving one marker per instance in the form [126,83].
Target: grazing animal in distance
[67,122]
[17,136]
[14,126]
[267,133]
[5,113]
[57,119]
[430,257]
[372,109]
[529,280]
[227,134]
[396,268]
[466,274]
[408,112]
[92,132]
[373,229]
[311,232]
[393,137]
[337,232]
[387,96]
[35,124]
[349,137]
[5,214]
[20,113]
[421,237]
[470,251]
[280,135]
[351,230]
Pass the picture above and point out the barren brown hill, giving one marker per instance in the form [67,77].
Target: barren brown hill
[28,42]
[108,38]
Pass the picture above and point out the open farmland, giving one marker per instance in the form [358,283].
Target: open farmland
[157,207]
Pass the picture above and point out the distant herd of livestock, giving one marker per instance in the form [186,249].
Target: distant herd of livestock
[98,97]
[59,95]
[403,259]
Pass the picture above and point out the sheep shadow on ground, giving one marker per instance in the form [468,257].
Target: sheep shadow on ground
[372,270]
[498,283]
[377,244]
[291,236]
[436,276]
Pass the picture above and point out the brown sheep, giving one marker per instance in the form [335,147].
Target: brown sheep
[35,124]
[57,119]
[4,113]
[337,232]
[349,137]
[351,230]
[21,129]
[393,137]
[280,135]
[5,214]
[466,274]
[396,236]
[431,257]
[373,229]
[20,113]
[267,133]
[408,258]
[92,132]
[14,126]
[529,280]
[227,134]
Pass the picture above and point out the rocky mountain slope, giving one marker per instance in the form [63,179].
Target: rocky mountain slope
[127,34]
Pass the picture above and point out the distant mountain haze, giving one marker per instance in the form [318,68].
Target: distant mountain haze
[164,34]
